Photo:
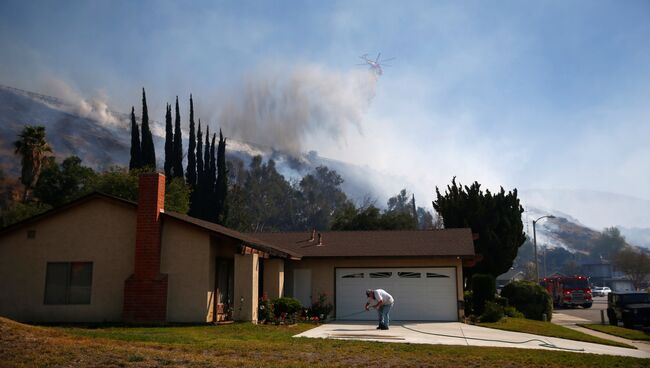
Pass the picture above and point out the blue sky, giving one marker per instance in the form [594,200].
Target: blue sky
[550,94]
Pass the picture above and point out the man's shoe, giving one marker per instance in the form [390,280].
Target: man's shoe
[384,328]
[380,327]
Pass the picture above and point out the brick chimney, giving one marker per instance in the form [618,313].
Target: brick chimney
[145,292]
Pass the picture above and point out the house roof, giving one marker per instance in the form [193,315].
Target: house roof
[404,243]
[247,239]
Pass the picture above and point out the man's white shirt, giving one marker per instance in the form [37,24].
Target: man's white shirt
[381,294]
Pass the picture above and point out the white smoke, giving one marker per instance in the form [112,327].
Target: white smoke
[280,108]
[95,108]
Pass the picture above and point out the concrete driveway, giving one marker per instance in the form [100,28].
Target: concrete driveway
[455,333]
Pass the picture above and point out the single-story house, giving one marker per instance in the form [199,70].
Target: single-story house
[105,259]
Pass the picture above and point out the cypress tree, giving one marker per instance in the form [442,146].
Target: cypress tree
[136,153]
[221,187]
[197,204]
[191,150]
[206,160]
[148,150]
[178,145]
[199,156]
[169,142]
[213,213]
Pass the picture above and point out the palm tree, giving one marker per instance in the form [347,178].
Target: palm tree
[32,147]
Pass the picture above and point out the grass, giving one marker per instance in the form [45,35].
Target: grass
[625,333]
[549,329]
[239,345]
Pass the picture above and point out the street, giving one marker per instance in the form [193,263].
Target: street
[582,315]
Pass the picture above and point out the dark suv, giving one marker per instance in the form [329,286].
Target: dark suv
[631,308]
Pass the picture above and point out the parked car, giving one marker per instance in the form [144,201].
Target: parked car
[600,291]
[631,308]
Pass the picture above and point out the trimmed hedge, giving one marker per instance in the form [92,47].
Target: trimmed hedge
[492,312]
[529,298]
[483,291]
[286,307]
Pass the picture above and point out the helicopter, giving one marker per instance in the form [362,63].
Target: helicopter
[377,64]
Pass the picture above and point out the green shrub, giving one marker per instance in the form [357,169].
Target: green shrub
[265,310]
[483,290]
[501,301]
[468,303]
[529,298]
[286,308]
[320,309]
[492,312]
[512,312]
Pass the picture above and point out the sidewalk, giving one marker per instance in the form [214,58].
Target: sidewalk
[572,321]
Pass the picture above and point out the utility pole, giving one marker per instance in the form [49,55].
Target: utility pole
[535,246]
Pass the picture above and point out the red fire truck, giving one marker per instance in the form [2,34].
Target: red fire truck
[569,291]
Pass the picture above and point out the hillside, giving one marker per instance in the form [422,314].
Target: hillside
[101,144]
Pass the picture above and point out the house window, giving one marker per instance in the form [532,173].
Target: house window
[353,276]
[409,275]
[380,275]
[435,275]
[68,282]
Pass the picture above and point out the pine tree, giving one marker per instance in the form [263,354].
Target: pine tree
[178,145]
[148,150]
[169,142]
[136,153]
[191,150]
[221,187]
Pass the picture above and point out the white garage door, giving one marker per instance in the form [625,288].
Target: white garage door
[421,294]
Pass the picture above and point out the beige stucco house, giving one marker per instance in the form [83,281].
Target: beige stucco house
[101,259]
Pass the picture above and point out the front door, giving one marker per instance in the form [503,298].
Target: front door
[302,286]
[224,289]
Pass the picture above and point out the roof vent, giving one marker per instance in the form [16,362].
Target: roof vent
[313,235]
[320,240]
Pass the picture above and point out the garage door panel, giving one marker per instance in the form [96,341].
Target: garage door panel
[431,296]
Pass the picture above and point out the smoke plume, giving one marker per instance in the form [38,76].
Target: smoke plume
[280,108]
[95,108]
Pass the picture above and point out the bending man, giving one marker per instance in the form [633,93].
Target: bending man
[383,303]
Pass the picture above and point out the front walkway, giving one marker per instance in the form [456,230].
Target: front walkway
[455,333]
[571,322]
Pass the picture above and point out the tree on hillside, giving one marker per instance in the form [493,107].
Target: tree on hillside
[320,197]
[402,210]
[608,244]
[425,219]
[634,264]
[268,198]
[62,183]
[136,153]
[32,148]
[148,150]
[495,217]
[177,171]
[169,142]
[191,150]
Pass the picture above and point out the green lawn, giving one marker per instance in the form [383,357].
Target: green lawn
[245,344]
[625,333]
[549,329]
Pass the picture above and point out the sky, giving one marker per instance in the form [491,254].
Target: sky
[528,95]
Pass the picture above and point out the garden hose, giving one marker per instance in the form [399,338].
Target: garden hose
[542,343]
